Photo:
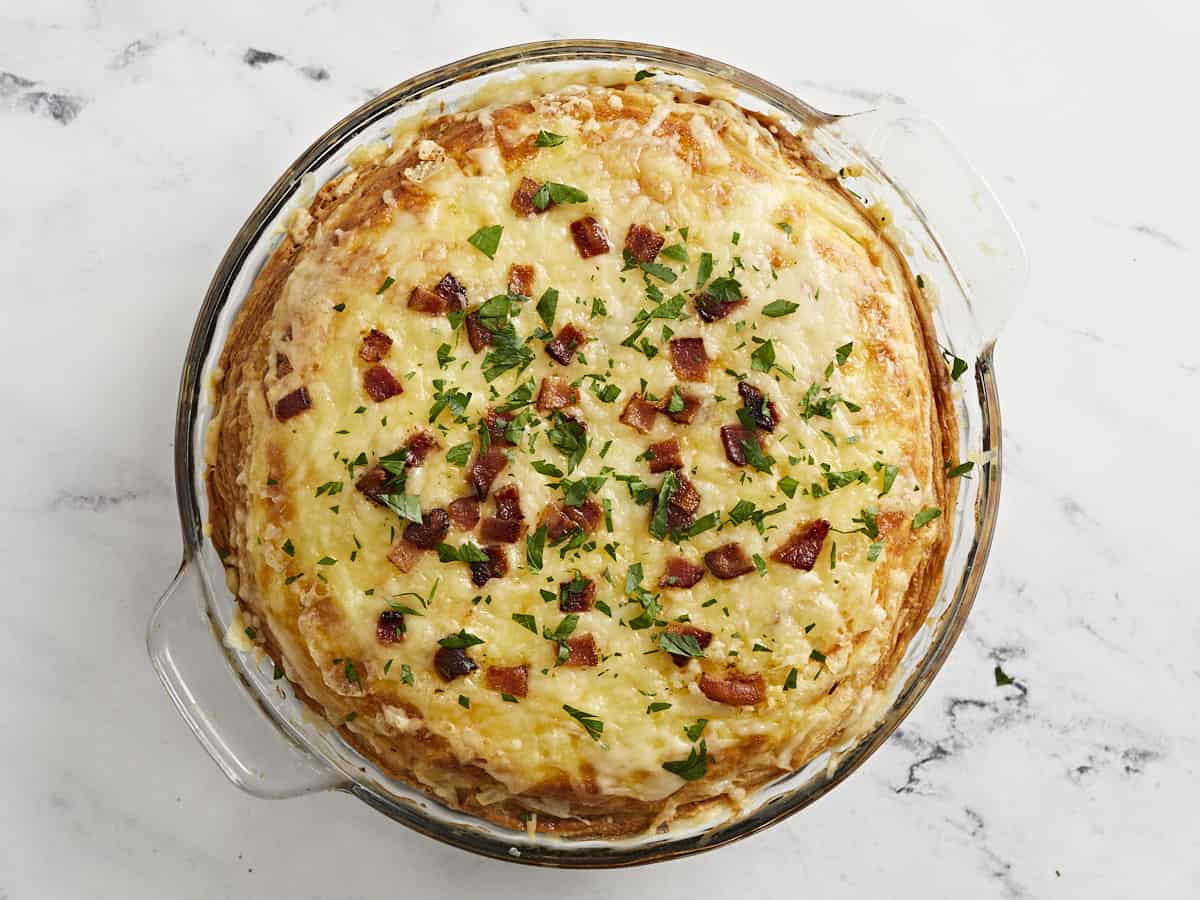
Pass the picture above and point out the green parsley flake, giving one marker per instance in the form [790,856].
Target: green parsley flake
[487,239]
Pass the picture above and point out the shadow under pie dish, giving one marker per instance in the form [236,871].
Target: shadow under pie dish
[584,454]
[581,455]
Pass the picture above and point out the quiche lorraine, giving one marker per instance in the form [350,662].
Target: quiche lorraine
[582,455]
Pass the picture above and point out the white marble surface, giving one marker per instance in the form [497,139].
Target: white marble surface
[135,138]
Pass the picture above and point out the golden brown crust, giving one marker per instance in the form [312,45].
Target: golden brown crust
[355,208]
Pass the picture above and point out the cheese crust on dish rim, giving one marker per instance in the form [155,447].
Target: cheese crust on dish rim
[586,690]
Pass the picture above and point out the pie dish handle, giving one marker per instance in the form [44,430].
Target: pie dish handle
[192,661]
[957,206]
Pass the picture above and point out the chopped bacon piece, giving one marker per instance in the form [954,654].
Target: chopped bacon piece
[560,520]
[453,662]
[689,359]
[292,404]
[728,561]
[665,455]
[576,595]
[283,365]
[703,638]
[520,280]
[431,532]
[508,503]
[680,573]
[734,437]
[375,346]
[501,531]
[711,309]
[477,333]
[522,201]
[684,416]
[681,510]
[483,471]
[766,416]
[374,484]
[643,242]
[418,447]
[582,651]
[497,426]
[495,567]
[404,555]
[390,628]
[803,545]
[556,393]
[424,300]
[590,239]
[639,414]
[734,690]
[381,384]
[511,680]
[453,293]
[464,513]
[562,348]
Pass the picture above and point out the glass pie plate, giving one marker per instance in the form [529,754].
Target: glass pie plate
[946,223]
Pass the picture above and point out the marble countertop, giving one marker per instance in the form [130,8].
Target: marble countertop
[136,137]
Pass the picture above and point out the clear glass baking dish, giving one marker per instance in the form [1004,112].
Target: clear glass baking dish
[947,224]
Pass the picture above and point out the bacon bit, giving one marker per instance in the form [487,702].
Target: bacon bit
[681,510]
[680,573]
[453,662]
[373,484]
[703,638]
[733,436]
[575,599]
[390,628]
[691,405]
[497,426]
[520,280]
[803,546]
[728,561]
[495,567]
[464,513]
[375,346]
[590,239]
[689,359]
[426,301]
[477,332]
[483,471]
[582,651]
[452,293]
[404,556]
[418,447]
[522,201]
[556,393]
[431,531]
[508,503]
[643,242]
[283,365]
[562,348]
[639,414]
[292,404]
[711,309]
[501,531]
[511,680]
[381,384]
[766,416]
[734,690]
[665,455]
[561,520]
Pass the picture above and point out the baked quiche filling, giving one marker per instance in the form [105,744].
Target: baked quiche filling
[583,456]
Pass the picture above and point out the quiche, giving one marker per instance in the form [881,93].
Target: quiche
[583,454]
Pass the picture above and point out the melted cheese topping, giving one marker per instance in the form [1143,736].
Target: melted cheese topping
[711,180]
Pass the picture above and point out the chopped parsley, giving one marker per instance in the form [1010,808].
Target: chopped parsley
[695,766]
[678,644]
[487,239]
[778,308]
[547,306]
[591,724]
[387,283]
[460,641]
[548,139]
[551,193]
[459,454]
[925,516]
